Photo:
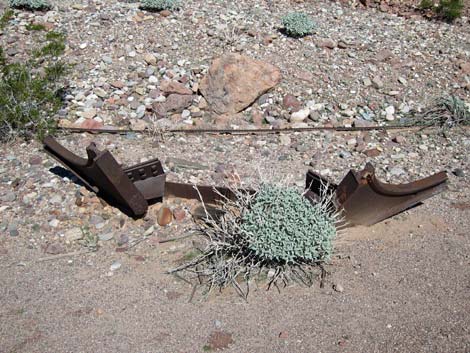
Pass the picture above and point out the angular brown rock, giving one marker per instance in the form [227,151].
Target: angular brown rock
[235,81]
[169,87]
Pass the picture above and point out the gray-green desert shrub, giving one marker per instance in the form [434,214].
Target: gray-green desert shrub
[33,5]
[282,225]
[298,24]
[274,231]
[159,5]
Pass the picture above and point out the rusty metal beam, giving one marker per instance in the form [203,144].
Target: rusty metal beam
[365,200]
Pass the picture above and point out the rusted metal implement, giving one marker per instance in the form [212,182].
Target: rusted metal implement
[365,200]
[132,188]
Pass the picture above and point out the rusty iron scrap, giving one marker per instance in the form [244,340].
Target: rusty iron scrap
[365,200]
[132,188]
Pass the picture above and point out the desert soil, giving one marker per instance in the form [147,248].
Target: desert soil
[401,285]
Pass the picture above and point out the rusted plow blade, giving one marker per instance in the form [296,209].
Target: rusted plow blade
[132,188]
[365,200]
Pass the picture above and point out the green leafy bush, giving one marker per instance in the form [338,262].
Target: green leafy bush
[283,226]
[450,9]
[159,5]
[297,24]
[30,94]
[33,5]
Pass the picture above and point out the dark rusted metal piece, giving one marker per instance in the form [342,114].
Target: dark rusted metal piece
[134,187]
[365,200]
[129,188]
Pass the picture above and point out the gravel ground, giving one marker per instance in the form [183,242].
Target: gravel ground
[401,285]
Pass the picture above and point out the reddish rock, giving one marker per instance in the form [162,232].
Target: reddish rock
[179,214]
[117,84]
[219,340]
[91,124]
[235,81]
[465,67]
[291,103]
[177,102]
[257,117]
[164,216]
[399,139]
[374,152]
[165,13]
[169,87]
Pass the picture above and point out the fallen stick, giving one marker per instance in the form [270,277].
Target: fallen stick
[61,256]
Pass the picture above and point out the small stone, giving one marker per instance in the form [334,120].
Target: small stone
[106,236]
[170,87]
[374,152]
[122,239]
[458,172]
[54,223]
[35,160]
[300,115]
[73,234]
[150,59]
[164,216]
[100,92]
[83,45]
[377,82]
[89,114]
[179,214]
[54,249]
[10,196]
[285,140]
[367,82]
[117,84]
[116,265]
[397,171]
[96,219]
[338,288]
[91,124]
[399,139]
[291,102]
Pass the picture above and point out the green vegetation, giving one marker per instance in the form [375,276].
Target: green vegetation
[31,91]
[35,27]
[274,233]
[159,5]
[6,17]
[32,5]
[281,225]
[448,10]
[297,24]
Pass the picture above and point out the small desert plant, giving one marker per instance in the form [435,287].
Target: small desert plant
[159,5]
[297,24]
[35,27]
[448,10]
[274,232]
[89,240]
[445,112]
[32,5]
[6,17]
[31,92]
